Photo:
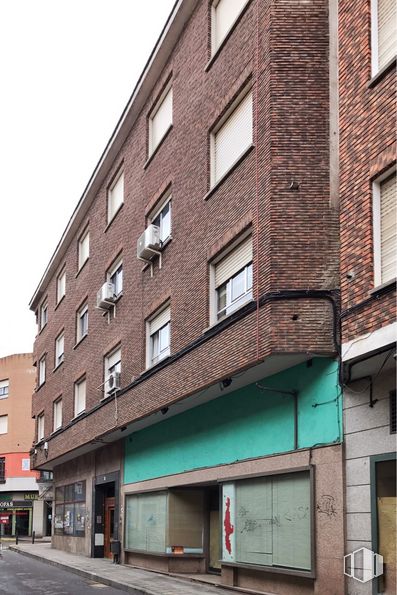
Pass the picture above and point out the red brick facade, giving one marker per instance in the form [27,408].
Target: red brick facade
[367,149]
[282,49]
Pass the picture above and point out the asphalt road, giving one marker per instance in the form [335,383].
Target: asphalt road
[20,575]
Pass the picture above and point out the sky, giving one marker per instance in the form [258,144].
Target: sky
[67,70]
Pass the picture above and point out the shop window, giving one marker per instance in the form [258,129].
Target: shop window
[70,509]
[384,509]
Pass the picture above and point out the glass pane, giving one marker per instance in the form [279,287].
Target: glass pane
[387,512]
[164,337]
[80,516]
[221,291]
[58,520]
[165,229]
[249,276]
[155,345]
[79,490]
[238,285]
[68,519]
[69,493]
[146,517]
[59,494]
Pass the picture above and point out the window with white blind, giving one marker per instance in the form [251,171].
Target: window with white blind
[158,337]
[4,388]
[115,195]
[231,280]
[59,349]
[112,367]
[385,228]
[160,120]
[232,137]
[383,33]
[57,414]
[162,219]
[3,424]
[43,314]
[84,248]
[61,285]
[79,396]
[223,16]
[42,371]
[40,427]
[272,521]
[115,276]
[82,322]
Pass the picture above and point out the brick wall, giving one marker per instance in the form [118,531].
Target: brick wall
[283,50]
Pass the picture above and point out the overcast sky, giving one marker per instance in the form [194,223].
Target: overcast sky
[67,69]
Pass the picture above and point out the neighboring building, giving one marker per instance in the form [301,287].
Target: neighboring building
[188,401]
[367,50]
[18,486]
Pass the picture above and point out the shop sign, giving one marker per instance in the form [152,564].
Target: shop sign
[32,496]
[5,504]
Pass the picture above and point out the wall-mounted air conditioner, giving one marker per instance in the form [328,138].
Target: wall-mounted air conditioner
[113,382]
[149,243]
[105,296]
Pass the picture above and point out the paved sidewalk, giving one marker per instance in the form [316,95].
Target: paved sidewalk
[126,578]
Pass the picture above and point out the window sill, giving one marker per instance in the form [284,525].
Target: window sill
[214,324]
[82,267]
[57,431]
[80,341]
[227,36]
[41,330]
[149,159]
[40,386]
[229,172]
[59,303]
[78,415]
[113,218]
[164,554]
[381,73]
[58,366]
[383,288]
[161,361]
[273,569]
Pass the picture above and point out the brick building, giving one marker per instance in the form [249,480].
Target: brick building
[18,483]
[197,385]
[367,50]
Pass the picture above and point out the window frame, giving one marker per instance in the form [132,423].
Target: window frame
[61,503]
[82,239]
[4,394]
[375,68]
[157,105]
[42,370]
[57,403]
[109,370]
[112,212]
[61,284]
[1,417]
[81,312]
[40,427]
[216,47]
[112,271]
[43,314]
[246,90]
[58,354]
[150,337]
[376,227]
[77,384]
[167,201]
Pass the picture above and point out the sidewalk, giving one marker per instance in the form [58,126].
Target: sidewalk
[126,578]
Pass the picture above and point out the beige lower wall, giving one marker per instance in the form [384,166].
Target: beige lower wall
[328,530]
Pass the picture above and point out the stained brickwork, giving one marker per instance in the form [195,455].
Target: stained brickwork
[281,185]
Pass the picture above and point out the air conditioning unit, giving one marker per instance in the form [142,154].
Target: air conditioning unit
[114,382]
[105,296]
[149,243]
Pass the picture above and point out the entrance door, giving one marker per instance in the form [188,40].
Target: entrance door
[214,529]
[108,526]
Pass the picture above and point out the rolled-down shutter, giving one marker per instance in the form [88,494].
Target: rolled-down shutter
[161,120]
[233,138]
[387,31]
[233,262]
[388,228]
[160,320]
[225,14]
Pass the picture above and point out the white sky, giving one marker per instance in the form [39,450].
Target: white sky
[67,69]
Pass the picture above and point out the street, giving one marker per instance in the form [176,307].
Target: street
[21,575]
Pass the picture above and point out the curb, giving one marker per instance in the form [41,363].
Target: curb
[86,573]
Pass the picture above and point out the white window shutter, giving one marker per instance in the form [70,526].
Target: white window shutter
[80,396]
[4,383]
[116,195]
[233,138]
[233,262]
[224,15]
[161,121]
[159,321]
[114,358]
[3,424]
[388,228]
[387,31]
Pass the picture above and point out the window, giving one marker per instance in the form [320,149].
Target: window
[84,248]
[4,386]
[79,396]
[40,427]
[25,466]
[393,412]
[231,138]
[115,276]
[271,517]
[82,322]
[57,415]
[70,509]
[385,228]
[43,314]
[160,120]
[159,329]
[163,220]
[383,33]
[2,469]
[61,286]
[115,195]
[112,367]
[231,277]
[3,424]
[224,15]
[59,349]
[42,370]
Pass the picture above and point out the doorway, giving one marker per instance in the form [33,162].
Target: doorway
[109,526]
